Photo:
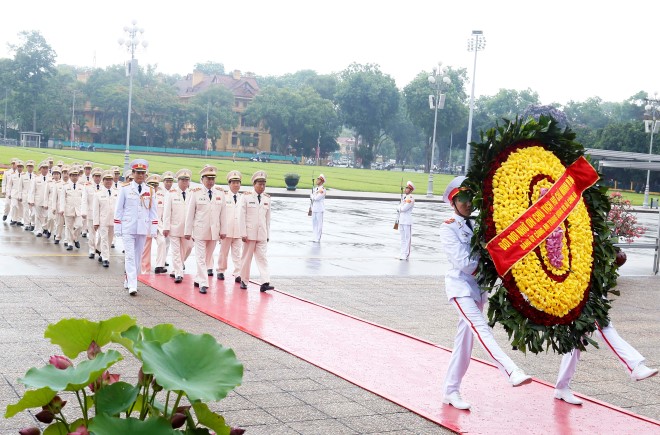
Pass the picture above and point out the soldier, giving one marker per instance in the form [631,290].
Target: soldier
[405,220]
[103,210]
[318,207]
[203,223]
[5,183]
[163,248]
[56,177]
[86,179]
[71,208]
[116,172]
[145,261]
[39,197]
[231,233]
[60,234]
[50,160]
[135,219]
[15,188]
[26,183]
[89,191]
[174,222]
[255,230]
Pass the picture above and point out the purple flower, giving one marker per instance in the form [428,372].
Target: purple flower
[82,430]
[30,431]
[61,362]
[177,420]
[55,405]
[45,416]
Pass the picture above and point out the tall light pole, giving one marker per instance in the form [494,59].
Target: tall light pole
[437,101]
[73,118]
[131,45]
[4,136]
[653,109]
[476,43]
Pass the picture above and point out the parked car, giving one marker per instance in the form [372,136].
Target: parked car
[89,147]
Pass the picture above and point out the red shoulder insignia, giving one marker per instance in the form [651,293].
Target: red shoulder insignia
[450,220]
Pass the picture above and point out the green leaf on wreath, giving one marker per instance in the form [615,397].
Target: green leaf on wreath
[72,378]
[210,419]
[115,398]
[75,335]
[103,424]
[195,364]
[31,399]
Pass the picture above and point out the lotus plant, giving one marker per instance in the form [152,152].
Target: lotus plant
[175,366]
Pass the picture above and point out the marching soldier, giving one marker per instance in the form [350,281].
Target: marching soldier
[71,208]
[89,191]
[135,218]
[39,197]
[405,220]
[163,248]
[26,184]
[145,261]
[15,189]
[174,223]
[5,183]
[318,207]
[203,223]
[231,232]
[85,180]
[255,230]
[53,185]
[103,209]
[116,173]
[50,160]
[59,220]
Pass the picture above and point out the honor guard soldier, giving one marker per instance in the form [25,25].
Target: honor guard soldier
[174,223]
[255,230]
[116,175]
[71,207]
[26,183]
[49,160]
[89,191]
[39,197]
[153,181]
[53,185]
[318,207]
[5,191]
[15,189]
[59,221]
[103,211]
[203,223]
[86,179]
[135,219]
[231,228]
[468,299]
[405,220]
[163,248]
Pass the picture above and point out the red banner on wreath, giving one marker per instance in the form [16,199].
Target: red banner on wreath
[541,218]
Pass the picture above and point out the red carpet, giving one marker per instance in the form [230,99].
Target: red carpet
[398,367]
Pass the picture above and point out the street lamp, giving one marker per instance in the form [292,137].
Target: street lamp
[131,45]
[438,80]
[652,109]
[476,43]
[73,118]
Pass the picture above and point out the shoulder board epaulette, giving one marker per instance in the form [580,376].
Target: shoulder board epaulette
[195,189]
[172,190]
[266,195]
[219,188]
[249,192]
[450,220]
[125,183]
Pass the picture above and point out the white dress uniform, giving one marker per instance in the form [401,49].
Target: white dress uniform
[203,223]
[5,191]
[15,188]
[28,209]
[174,221]
[39,197]
[318,207]
[161,244]
[135,218]
[104,203]
[405,210]
[90,190]
[51,225]
[255,226]
[231,229]
[71,207]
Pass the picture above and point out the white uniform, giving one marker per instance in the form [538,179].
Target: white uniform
[39,197]
[5,191]
[255,225]
[71,205]
[161,244]
[104,203]
[467,298]
[52,206]
[15,188]
[135,218]
[89,192]
[231,228]
[318,207]
[203,223]
[60,234]
[405,225]
[174,221]
[28,209]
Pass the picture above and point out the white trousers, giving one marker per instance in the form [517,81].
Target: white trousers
[317,225]
[7,207]
[204,256]
[28,214]
[181,249]
[258,250]
[133,248]
[59,227]
[16,212]
[105,233]
[625,353]
[472,324]
[406,240]
[92,237]
[73,228]
[235,245]
[40,219]
[162,246]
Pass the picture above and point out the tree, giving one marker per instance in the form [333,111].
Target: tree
[214,104]
[107,90]
[210,68]
[368,101]
[34,64]
[404,135]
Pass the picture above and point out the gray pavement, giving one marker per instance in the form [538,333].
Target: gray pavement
[354,270]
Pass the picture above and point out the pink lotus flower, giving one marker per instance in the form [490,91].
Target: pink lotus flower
[82,430]
[93,350]
[61,362]
[55,405]
[177,420]
[105,379]
[45,416]
[30,431]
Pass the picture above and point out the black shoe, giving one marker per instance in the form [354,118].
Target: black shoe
[84,235]
[178,279]
[171,275]
[69,248]
[27,228]
[100,259]
[4,218]
[39,235]
[77,244]
[221,276]
[98,252]
[20,224]
[57,242]
[167,264]
[243,285]
[196,284]
[265,287]
[66,244]
[160,270]
[112,246]
[209,272]
[237,279]
[12,223]
[202,290]
[106,263]
[91,256]
[47,234]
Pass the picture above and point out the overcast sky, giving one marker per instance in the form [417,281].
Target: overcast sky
[564,50]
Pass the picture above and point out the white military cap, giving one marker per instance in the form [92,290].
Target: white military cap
[410,185]
[56,169]
[43,164]
[115,170]
[322,177]
[19,163]
[74,170]
[153,179]
[108,173]
[259,175]
[183,173]
[168,175]
[208,171]
[453,188]
[234,175]
[139,165]
[88,165]
[97,171]
[29,163]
